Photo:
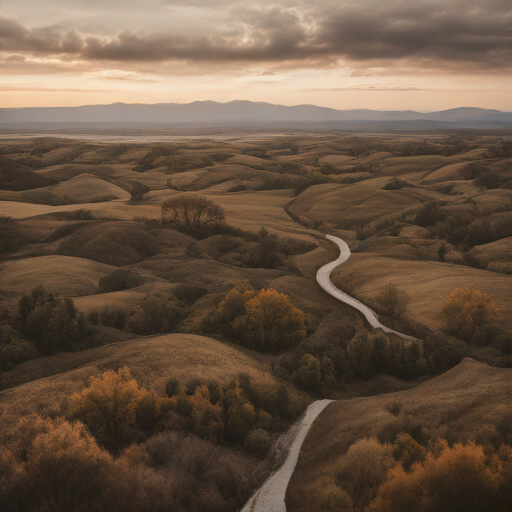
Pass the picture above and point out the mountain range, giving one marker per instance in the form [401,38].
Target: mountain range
[240,112]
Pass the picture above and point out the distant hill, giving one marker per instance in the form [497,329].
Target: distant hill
[237,112]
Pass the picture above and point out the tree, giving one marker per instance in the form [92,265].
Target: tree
[309,372]
[191,212]
[271,322]
[109,408]
[459,479]
[156,314]
[51,322]
[466,311]
[392,301]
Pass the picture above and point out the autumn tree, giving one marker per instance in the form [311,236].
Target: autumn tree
[110,408]
[191,212]
[271,322]
[392,301]
[458,479]
[467,311]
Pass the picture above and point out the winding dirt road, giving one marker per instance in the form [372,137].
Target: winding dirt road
[270,496]
[324,280]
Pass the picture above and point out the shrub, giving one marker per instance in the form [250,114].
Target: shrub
[309,373]
[189,293]
[111,316]
[155,314]
[429,214]
[51,322]
[172,386]
[392,301]
[258,442]
[119,279]
[395,184]
[14,349]
[466,310]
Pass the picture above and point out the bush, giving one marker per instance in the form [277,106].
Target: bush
[467,310]
[189,293]
[119,279]
[156,314]
[429,214]
[258,442]
[395,184]
[392,301]
[364,469]
[14,349]
[111,316]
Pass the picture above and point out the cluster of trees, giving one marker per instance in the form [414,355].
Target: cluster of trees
[237,411]
[328,366]
[266,321]
[121,447]
[52,323]
[298,183]
[470,315]
[57,465]
[404,476]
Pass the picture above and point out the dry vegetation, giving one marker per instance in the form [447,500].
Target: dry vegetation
[145,248]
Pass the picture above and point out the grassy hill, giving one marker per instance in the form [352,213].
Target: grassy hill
[464,402]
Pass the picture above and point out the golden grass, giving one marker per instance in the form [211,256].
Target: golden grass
[500,250]
[335,159]
[465,398]
[427,283]
[110,209]
[446,173]
[152,359]
[64,275]
[358,203]
[126,299]
[83,188]
[251,210]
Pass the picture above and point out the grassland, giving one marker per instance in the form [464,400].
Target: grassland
[427,212]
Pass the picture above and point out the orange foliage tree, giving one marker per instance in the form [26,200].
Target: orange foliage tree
[271,323]
[459,479]
[115,409]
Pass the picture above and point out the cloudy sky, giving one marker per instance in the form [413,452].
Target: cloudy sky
[394,54]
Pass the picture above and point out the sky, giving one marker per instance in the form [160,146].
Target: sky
[423,55]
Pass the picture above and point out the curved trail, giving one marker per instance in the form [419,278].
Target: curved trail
[270,496]
[324,280]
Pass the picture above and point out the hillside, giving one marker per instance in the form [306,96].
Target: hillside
[464,402]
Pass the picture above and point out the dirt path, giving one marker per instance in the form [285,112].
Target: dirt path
[324,280]
[270,496]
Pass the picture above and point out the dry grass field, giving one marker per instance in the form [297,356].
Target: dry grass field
[64,275]
[428,212]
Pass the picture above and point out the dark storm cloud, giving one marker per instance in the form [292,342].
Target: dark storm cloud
[462,33]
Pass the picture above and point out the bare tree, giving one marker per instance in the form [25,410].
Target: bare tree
[191,212]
